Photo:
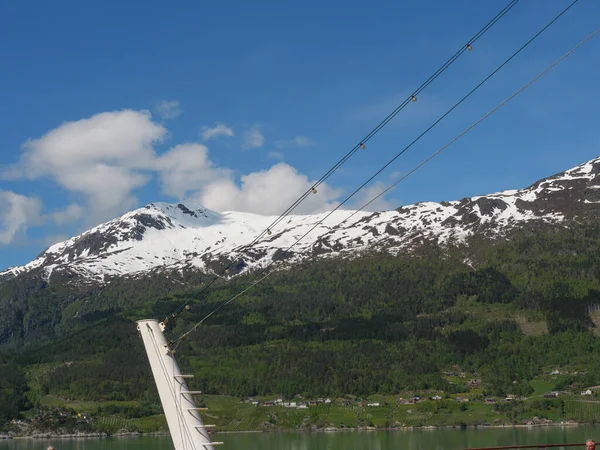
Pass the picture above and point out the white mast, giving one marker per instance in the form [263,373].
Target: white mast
[188,432]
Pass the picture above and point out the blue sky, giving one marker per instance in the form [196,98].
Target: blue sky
[107,106]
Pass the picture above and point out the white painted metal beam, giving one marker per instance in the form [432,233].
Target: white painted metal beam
[188,432]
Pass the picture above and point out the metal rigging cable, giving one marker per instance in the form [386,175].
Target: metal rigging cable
[250,285]
[484,117]
[361,145]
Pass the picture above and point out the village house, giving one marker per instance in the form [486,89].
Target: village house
[474,383]
[553,394]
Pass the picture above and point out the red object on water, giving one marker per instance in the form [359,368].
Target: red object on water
[527,446]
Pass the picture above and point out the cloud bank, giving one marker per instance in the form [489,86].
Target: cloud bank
[104,159]
[168,109]
[297,141]
[253,138]
[219,129]
[18,213]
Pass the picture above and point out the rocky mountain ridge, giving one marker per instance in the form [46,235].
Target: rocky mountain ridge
[172,237]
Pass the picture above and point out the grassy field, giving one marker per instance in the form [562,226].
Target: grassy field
[229,414]
[81,406]
[540,387]
[150,424]
[582,411]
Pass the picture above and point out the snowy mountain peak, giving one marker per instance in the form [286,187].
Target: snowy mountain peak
[161,216]
[171,237]
[179,213]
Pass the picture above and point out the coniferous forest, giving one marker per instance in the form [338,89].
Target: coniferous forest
[377,324]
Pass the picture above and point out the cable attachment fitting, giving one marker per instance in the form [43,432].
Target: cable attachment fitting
[362,146]
[167,319]
[469,47]
[413,98]
[314,190]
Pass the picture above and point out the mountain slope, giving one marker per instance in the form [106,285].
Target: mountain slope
[169,237]
[161,235]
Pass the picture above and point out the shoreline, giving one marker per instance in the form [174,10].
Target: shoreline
[131,434]
[91,435]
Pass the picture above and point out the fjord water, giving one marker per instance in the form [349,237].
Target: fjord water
[439,439]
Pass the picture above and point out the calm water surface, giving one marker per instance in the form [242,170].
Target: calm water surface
[351,440]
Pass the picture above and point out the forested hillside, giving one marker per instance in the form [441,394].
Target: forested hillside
[375,324]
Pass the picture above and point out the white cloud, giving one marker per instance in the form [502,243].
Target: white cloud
[297,141]
[267,192]
[124,138]
[219,129]
[275,155]
[186,168]
[19,212]
[102,158]
[168,109]
[71,213]
[366,194]
[253,138]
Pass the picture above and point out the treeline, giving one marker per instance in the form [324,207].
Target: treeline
[13,389]
[104,362]
[375,324]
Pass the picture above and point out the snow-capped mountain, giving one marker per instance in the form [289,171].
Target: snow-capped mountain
[170,237]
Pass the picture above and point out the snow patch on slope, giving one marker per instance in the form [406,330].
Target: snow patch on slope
[177,236]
